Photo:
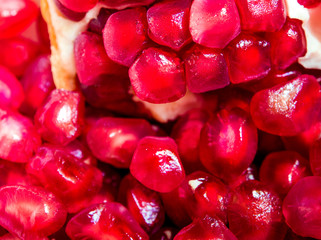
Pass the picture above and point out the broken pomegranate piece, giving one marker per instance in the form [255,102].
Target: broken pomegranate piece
[214,24]
[125,35]
[168,23]
[205,69]
[289,108]
[300,207]
[248,58]
[30,213]
[156,164]
[60,119]
[105,221]
[157,76]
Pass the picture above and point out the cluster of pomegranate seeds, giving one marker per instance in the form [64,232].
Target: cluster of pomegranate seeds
[97,163]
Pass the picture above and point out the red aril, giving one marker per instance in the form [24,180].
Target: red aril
[309,3]
[301,207]
[16,16]
[69,178]
[262,15]
[228,143]
[17,53]
[248,58]
[255,212]
[315,157]
[42,32]
[31,213]
[144,204]
[114,140]
[122,4]
[37,83]
[105,221]
[125,35]
[11,91]
[214,24]
[80,151]
[205,228]
[157,76]
[233,97]
[79,6]
[205,69]
[251,173]
[18,136]
[68,13]
[13,174]
[156,164]
[60,118]
[281,170]
[287,108]
[92,62]
[287,44]
[168,23]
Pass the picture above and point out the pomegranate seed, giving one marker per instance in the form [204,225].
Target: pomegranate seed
[156,164]
[125,35]
[61,117]
[97,25]
[309,3]
[214,24]
[168,23]
[77,6]
[205,228]
[165,233]
[262,15]
[80,151]
[68,13]
[9,236]
[70,179]
[205,195]
[157,76]
[206,69]
[42,31]
[248,58]
[300,207]
[288,44]
[315,157]
[16,16]
[30,212]
[13,174]
[105,221]
[228,144]
[233,97]
[122,4]
[17,53]
[37,83]
[254,212]
[186,133]
[18,137]
[287,108]
[92,62]
[144,204]
[281,170]
[11,91]
[251,173]
[114,140]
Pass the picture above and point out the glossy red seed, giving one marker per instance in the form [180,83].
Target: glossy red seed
[168,23]
[228,143]
[125,35]
[300,207]
[16,16]
[122,4]
[287,108]
[92,62]
[205,228]
[60,119]
[77,6]
[37,83]
[13,174]
[214,24]
[281,170]
[309,3]
[186,133]
[114,140]
[255,212]
[157,76]
[68,177]
[68,13]
[156,164]
[144,204]
[315,157]
[11,91]
[105,221]
[18,136]
[287,44]
[30,212]
[205,69]
[251,173]
[262,15]
[248,58]
[233,97]
[80,151]
[17,53]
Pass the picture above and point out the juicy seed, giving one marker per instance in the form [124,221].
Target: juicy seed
[122,4]
[79,6]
